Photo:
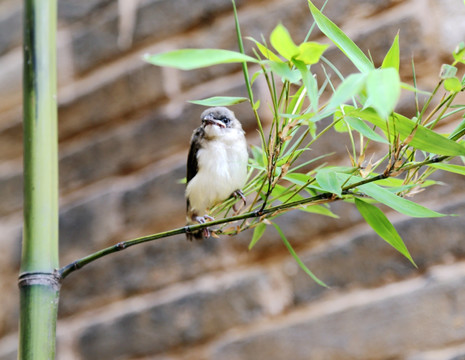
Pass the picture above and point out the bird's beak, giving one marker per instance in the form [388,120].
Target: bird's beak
[210,120]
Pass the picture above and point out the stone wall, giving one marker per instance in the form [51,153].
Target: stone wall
[124,128]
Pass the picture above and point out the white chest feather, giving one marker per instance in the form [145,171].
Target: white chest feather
[222,169]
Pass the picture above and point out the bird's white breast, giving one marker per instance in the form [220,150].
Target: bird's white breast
[222,169]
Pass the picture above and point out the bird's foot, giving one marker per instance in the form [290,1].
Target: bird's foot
[203,220]
[239,194]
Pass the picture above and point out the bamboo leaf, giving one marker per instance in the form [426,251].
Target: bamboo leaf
[219,101]
[258,232]
[309,82]
[423,139]
[188,59]
[395,202]
[457,169]
[298,178]
[267,53]
[341,40]
[459,52]
[392,58]
[282,69]
[458,131]
[296,257]
[311,52]
[296,103]
[365,130]
[329,181]
[383,227]
[283,43]
[408,87]
[383,89]
[318,209]
[259,156]
[350,87]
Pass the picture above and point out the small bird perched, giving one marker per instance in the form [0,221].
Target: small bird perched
[216,165]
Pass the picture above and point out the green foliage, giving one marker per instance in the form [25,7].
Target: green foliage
[382,226]
[392,58]
[188,59]
[285,175]
[220,101]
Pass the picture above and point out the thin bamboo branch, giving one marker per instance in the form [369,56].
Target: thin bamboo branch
[78,264]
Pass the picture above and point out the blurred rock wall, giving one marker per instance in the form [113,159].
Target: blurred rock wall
[124,129]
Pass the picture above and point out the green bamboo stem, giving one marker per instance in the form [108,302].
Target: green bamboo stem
[39,285]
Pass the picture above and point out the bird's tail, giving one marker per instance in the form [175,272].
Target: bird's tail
[194,235]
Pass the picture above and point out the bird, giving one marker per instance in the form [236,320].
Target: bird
[216,166]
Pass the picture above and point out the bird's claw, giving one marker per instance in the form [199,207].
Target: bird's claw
[202,220]
[238,194]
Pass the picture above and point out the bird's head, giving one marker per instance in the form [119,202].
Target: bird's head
[218,119]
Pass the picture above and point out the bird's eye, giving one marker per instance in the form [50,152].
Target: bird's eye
[224,119]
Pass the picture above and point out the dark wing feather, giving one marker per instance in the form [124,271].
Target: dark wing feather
[192,164]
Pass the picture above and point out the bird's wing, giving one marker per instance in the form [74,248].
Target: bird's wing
[192,164]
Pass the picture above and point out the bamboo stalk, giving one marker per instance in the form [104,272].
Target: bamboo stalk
[39,284]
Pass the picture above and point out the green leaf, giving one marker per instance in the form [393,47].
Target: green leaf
[340,124]
[452,84]
[459,52]
[350,87]
[290,155]
[458,131]
[318,209]
[409,87]
[220,101]
[383,89]
[383,227]
[309,82]
[298,178]
[283,195]
[395,183]
[341,40]
[188,59]
[395,202]
[296,257]
[329,181]
[267,53]
[282,69]
[423,139]
[457,169]
[447,71]
[259,156]
[365,130]
[311,52]
[392,58]
[258,232]
[282,42]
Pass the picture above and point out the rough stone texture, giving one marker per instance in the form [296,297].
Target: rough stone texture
[125,92]
[452,31]
[385,327]
[100,41]
[184,320]
[11,192]
[366,260]
[124,131]
[11,139]
[10,30]
[79,10]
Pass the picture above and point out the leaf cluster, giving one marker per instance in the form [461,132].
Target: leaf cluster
[283,174]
